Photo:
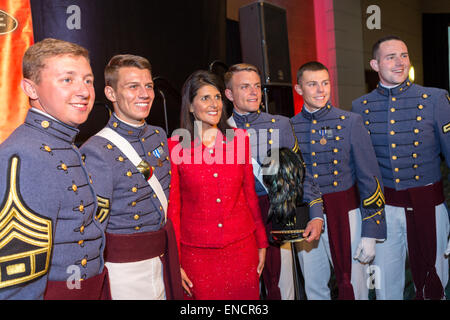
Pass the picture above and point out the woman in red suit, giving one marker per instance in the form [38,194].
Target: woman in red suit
[213,204]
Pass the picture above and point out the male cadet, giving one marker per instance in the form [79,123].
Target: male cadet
[51,246]
[409,126]
[129,162]
[243,89]
[339,155]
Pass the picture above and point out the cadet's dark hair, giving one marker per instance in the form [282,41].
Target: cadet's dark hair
[193,83]
[35,56]
[310,66]
[376,46]
[285,186]
[122,61]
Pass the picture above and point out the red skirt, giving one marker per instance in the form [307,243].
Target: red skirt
[223,273]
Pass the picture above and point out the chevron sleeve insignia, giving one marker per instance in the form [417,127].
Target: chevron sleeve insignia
[376,200]
[25,236]
[104,207]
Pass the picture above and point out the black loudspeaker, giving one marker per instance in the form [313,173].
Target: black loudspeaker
[264,41]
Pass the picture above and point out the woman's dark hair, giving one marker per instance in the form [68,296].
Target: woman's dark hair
[285,185]
[194,82]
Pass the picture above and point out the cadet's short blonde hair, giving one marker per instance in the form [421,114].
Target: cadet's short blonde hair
[35,56]
[235,69]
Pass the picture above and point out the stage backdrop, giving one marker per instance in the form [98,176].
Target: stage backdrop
[178,37]
[16,35]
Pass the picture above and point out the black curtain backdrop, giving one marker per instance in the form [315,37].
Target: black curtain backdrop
[435,50]
[178,37]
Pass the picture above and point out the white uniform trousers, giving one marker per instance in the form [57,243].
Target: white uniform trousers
[391,254]
[141,280]
[315,260]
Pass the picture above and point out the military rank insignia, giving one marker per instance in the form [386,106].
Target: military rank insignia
[446,128]
[25,236]
[103,209]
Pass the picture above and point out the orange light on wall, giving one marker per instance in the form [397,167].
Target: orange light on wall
[16,35]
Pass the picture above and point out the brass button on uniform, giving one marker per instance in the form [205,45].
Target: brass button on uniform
[136,217]
[419,118]
[109,146]
[115,124]
[367,111]
[74,188]
[143,139]
[392,133]
[394,99]
[414,155]
[133,204]
[247,125]
[394,157]
[273,120]
[392,109]
[270,141]
[415,166]
[129,173]
[420,107]
[84,262]
[64,166]
[313,142]
[393,145]
[47,148]
[154,195]
[271,130]
[313,154]
[336,172]
[81,208]
[367,122]
[137,228]
[134,189]
[81,242]
[338,138]
[45,124]
[335,183]
[396,169]
[316,176]
[417,177]
[342,117]
[82,229]
[314,121]
[416,143]
[157,131]
[335,162]
[397,180]
[314,164]
[392,121]
[335,150]
[340,127]
[424,96]
[313,131]
[121,159]
[365,101]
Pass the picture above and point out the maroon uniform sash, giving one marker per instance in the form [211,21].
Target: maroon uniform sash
[121,248]
[337,205]
[94,288]
[419,204]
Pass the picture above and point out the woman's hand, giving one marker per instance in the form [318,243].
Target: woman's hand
[262,260]
[186,282]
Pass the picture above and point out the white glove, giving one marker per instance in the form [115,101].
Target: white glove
[366,250]
[447,252]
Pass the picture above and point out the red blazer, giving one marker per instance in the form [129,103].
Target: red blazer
[212,200]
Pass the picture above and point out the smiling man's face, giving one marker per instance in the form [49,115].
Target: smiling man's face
[392,62]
